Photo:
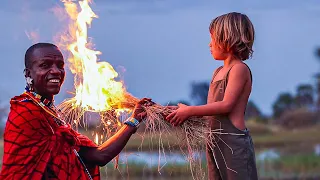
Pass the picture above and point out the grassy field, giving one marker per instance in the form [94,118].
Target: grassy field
[298,165]
[268,137]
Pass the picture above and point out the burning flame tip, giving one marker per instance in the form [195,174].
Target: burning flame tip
[95,84]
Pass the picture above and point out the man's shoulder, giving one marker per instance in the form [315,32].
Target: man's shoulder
[23,105]
[24,114]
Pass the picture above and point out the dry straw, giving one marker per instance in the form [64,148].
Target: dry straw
[194,134]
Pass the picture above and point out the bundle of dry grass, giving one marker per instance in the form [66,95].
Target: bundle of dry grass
[195,133]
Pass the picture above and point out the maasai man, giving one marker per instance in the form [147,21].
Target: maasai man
[38,143]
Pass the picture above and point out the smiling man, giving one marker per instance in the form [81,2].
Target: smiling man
[38,143]
[45,64]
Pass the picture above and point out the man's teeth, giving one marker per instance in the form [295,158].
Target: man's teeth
[54,80]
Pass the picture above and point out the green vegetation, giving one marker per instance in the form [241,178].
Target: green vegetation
[294,164]
[301,166]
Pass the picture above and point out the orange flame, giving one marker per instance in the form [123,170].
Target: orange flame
[96,139]
[95,84]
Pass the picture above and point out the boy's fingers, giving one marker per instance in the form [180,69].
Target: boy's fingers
[174,120]
[181,105]
[170,116]
[172,107]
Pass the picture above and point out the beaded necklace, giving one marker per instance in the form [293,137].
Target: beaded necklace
[49,107]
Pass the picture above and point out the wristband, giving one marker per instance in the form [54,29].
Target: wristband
[132,122]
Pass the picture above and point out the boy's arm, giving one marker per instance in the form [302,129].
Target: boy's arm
[238,77]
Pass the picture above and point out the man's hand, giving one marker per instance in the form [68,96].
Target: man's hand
[139,112]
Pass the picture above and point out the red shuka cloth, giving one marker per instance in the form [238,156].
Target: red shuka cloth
[36,148]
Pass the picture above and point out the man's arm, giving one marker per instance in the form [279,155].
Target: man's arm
[113,146]
[109,149]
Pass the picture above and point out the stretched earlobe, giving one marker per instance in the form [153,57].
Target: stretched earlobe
[29,80]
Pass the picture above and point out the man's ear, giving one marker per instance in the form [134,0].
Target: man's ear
[26,72]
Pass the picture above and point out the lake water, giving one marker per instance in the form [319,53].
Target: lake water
[154,158]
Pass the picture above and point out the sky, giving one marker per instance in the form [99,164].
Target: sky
[161,46]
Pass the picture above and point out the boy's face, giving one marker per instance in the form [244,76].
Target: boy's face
[217,53]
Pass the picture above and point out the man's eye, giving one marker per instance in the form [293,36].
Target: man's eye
[44,65]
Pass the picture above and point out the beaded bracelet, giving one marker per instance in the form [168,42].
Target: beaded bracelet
[132,122]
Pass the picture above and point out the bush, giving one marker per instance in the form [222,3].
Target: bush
[257,127]
[299,118]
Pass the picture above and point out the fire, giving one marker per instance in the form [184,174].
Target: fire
[95,84]
[96,139]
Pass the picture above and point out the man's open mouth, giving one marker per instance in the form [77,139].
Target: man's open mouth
[54,81]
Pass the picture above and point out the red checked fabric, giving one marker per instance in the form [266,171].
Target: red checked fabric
[36,148]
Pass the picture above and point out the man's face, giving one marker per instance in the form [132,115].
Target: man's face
[47,71]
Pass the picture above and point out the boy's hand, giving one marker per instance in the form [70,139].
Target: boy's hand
[172,107]
[181,105]
[177,117]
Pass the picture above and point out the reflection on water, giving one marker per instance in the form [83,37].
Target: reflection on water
[272,163]
[269,154]
[288,163]
[152,159]
[317,149]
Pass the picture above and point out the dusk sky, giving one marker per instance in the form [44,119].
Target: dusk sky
[161,46]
